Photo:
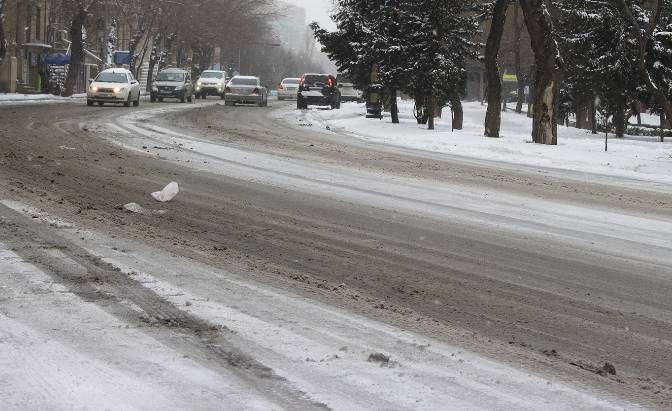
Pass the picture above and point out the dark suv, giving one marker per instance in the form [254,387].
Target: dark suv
[318,90]
[172,83]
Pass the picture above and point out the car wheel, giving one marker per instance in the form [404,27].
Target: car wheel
[100,103]
[136,103]
[160,99]
[127,103]
[223,96]
[152,99]
[89,103]
[190,99]
[281,98]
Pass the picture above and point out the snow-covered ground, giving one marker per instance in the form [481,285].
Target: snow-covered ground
[634,157]
[74,354]
[16,98]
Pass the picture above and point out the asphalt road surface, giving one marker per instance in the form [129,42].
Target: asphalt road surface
[553,272]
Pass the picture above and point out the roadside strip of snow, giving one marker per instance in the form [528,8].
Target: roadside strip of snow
[321,350]
[642,158]
[22,99]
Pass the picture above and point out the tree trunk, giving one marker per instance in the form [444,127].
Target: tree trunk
[518,29]
[167,52]
[394,108]
[421,111]
[153,59]
[458,112]
[76,50]
[580,116]
[493,117]
[430,110]
[3,43]
[547,79]
[592,116]
[663,125]
[530,95]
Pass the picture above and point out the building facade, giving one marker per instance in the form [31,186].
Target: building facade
[27,35]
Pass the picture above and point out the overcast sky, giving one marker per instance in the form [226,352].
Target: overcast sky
[318,10]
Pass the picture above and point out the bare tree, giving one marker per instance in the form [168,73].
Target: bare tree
[493,76]
[547,76]
[79,12]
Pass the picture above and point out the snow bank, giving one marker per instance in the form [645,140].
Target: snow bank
[634,157]
[16,98]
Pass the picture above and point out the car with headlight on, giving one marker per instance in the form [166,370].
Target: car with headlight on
[172,83]
[245,90]
[211,83]
[115,85]
[288,88]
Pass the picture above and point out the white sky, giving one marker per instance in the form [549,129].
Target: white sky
[317,10]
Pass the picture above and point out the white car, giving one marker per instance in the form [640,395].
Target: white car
[211,83]
[288,88]
[245,90]
[348,90]
[115,85]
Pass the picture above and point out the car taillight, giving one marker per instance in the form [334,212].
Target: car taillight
[330,83]
[227,90]
[256,91]
[303,81]
[280,87]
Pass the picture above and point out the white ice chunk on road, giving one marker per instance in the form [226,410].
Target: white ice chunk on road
[168,193]
[138,209]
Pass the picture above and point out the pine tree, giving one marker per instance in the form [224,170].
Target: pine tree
[417,46]
[600,61]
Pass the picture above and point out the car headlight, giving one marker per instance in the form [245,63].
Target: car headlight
[118,90]
[179,87]
[199,83]
[94,89]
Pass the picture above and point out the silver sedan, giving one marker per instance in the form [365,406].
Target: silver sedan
[246,90]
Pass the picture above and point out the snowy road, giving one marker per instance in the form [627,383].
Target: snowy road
[294,253]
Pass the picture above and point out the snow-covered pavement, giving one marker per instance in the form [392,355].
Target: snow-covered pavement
[633,157]
[221,298]
[75,353]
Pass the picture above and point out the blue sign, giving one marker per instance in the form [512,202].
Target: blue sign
[57,59]
[122,57]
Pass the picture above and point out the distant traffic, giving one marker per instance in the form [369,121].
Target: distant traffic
[119,86]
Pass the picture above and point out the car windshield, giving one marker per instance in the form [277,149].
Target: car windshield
[241,81]
[316,78]
[291,81]
[112,78]
[170,77]
[212,74]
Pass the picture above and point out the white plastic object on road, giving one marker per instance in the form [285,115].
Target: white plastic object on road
[168,193]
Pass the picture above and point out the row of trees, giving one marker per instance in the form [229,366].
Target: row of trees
[617,52]
[184,32]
